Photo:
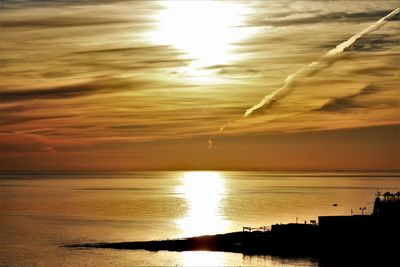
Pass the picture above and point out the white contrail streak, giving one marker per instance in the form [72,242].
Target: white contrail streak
[315,66]
[323,62]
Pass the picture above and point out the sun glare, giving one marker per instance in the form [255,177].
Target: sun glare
[203,192]
[205,31]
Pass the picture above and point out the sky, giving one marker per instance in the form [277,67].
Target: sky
[147,85]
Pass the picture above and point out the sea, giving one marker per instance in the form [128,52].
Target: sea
[43,213]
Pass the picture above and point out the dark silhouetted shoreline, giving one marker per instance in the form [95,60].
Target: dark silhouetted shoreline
[366,239]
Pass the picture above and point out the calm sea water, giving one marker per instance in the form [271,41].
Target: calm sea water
[42,212]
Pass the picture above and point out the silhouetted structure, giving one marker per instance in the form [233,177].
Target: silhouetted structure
[383,224]
[388,206]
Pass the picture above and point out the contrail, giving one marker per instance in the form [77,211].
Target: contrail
[306,71]
[315,66]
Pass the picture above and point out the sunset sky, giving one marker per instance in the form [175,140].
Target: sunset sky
[137,85]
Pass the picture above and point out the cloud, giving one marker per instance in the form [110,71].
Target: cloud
[12,4]
[68,91]
[347,102]
[60,92]
[12,109]
[9,120]
[370,43]
[234,69]
[130,126]
[11,142]
[47,149]
[50,15]
[139,49]
[315,66]
[333,17]
[379,71]
[58,22]
[140,58]
[117,86]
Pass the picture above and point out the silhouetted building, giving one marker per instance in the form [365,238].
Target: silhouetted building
[363,233]
[387,205]
[349,229]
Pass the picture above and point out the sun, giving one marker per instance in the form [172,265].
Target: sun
[204,31]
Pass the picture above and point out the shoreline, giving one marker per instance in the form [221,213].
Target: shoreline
[260,244]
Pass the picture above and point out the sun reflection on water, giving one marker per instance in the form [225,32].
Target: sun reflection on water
[202,258]
[203,192]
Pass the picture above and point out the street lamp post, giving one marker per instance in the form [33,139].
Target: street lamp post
[362,210]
